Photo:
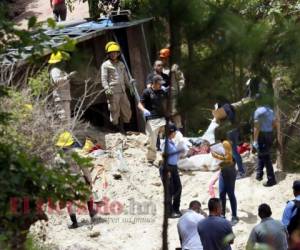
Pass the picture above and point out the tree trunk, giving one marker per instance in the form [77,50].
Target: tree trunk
[94,11]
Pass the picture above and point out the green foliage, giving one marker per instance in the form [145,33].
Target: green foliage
[27,143]
[40,84]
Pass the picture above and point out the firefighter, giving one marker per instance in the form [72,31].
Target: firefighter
[114,80]
[61,81]
[177,83]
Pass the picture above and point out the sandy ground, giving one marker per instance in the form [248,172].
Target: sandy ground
[138,226]
[41,9]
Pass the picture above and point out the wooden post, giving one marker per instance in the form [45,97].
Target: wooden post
[279,125]
[138,62]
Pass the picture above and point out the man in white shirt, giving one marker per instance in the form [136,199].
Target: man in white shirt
[187,227]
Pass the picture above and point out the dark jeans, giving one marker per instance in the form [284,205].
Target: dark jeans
[60,12]
[174,186]
[226,186]
[265,140]
[233,136]
[158,143]
[92,212]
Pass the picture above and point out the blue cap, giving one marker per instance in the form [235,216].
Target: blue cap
[296,185]
[172,128]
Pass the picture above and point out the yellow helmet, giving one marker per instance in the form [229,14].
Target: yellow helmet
[112,47]
[58,57]
[65,139]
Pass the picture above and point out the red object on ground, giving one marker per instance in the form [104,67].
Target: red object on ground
[97,146]
[200,150]
[243,148]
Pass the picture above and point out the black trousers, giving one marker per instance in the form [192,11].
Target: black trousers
[265,140]
[173,184]
[60,12]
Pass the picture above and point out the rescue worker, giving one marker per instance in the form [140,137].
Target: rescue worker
[153,106]
[158,70]
[61,80]
[59,9]
[177,84]
[114,80]
[85,176]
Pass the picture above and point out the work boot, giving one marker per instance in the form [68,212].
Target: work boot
[74,222]
[121,128]
[234,220]
[269,183]
[175,215]
[259,178]
[240,175]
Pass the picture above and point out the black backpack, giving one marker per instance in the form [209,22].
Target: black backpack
[295,220]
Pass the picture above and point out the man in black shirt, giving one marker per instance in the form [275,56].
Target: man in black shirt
[153,105]
[158,70]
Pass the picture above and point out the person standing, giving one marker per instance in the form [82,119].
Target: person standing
[177,84]
[172,182]
[85,175]
[153,106]
[61,81]
[227,176]
[215,232]
[158,70]
[114,80]
[187,227]
[290,219]
[59,9]
[264,123]
[231,124]
[268,233]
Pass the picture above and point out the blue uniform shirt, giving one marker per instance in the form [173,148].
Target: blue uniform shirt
[288,214]
[172,152]
[264,116]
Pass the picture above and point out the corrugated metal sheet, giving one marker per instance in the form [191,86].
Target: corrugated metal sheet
[80,32]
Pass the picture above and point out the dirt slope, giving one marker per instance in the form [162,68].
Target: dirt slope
[41,9]
[138,226]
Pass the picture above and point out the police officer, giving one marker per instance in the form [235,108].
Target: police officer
[264,124]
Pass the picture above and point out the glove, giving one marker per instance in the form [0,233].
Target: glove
[72,74]
[255,146]
[166,89]
[146,113]
[108,92]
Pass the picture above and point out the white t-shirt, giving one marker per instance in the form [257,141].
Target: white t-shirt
[187,229]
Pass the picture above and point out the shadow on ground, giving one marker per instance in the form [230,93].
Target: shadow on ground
[250,218]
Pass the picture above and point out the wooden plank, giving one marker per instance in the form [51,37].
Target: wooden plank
[138,62]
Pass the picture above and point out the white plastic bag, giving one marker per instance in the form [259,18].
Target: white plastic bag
[121,162]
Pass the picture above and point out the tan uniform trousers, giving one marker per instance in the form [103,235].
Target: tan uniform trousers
[153,128]
[119,108]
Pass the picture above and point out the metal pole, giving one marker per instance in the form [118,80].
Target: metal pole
[132,80]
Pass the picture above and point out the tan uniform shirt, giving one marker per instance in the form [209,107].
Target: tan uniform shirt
[177,79]
[62,83]
[114,76]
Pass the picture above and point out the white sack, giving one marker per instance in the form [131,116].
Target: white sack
[202,162]
[209,134]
